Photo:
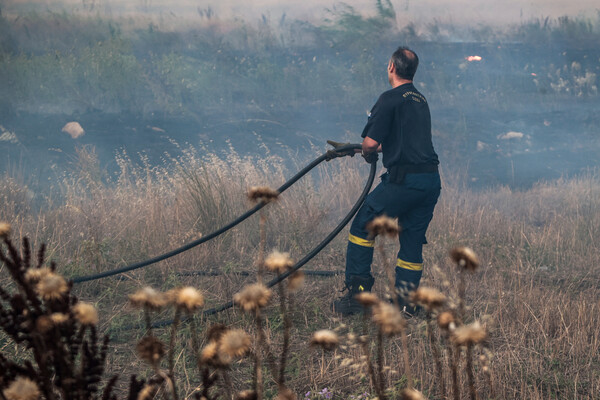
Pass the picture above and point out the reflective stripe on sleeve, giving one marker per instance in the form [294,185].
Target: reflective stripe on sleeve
[408,265]
[361,241]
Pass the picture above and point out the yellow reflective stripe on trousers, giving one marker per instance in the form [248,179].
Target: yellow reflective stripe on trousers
[409,265]
[361,241]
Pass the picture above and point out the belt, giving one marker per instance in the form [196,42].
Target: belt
[398,172]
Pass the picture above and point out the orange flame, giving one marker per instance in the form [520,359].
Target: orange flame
[474,58]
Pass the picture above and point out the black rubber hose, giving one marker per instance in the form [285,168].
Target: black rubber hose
[299,264]
[248,273]
[216,233]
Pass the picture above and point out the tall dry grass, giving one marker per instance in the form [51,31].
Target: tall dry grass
[537,290]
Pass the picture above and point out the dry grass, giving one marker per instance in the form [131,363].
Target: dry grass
[536,291]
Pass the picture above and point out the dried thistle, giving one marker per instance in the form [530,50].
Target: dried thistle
[22,389]
[86,313]
[148,392]
[216,331]
[465,258]
[52,287]
[148,297]
[325,338]
[388,318]
[446,320]
[427,297]
[235,343]
[264,193]
[284,393]
[296,280]
[214,356]
[411,394]
[253,297]
[246,395]
[150,349]
[188,298]
[5,229]
[44,323]
[367,299]
[467,335]
[59,318]
[383,225]
[34,275]
[278,262]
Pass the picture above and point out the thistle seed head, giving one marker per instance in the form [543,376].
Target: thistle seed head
[34,275]
[429,298]
[253,297]
[59,318]
[189,299]
[278,262]
[325,338]
[284,393]
[411,394]
[43,324]
[150,349]
[296,280]
[388,318]
[22,389]
[445,320]
[86,313]
[52,286]
[4,229]
[367,299]
[235,343]
[383,225]
[147,392]
[264,193]
[246,395]
[465,258]
[148,297]
[212,355]
[215,332]
[467,335]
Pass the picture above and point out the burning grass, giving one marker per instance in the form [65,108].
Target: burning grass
[533,297]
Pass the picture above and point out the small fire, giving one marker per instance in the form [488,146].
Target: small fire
[474,58]
[533,74]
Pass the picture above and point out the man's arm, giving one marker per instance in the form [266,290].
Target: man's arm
[369,150]
[369,145]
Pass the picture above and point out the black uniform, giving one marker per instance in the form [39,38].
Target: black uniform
[400,121]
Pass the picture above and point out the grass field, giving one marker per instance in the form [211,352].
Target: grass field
[536,291]
[535,294]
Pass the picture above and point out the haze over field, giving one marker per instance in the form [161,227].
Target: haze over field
[459,11]
[513,86]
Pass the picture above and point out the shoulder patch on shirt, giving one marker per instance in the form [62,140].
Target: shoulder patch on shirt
[418,97]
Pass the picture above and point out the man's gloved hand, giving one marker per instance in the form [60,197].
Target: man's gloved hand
[370,157]
[331,154]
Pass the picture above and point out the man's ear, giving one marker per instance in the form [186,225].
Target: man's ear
[391,66]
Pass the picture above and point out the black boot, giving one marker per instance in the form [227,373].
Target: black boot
[347,304]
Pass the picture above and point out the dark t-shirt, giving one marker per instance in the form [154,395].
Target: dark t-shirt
[400,121]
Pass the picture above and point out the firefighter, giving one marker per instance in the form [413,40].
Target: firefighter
[398,126]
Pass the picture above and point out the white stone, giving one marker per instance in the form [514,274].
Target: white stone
[73,129]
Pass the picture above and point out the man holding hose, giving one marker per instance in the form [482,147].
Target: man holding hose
[399,126]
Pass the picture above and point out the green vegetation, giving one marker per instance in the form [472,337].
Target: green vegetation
[67,63]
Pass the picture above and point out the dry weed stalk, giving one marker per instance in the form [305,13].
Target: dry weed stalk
[67,360]
[432,301]
[387,316]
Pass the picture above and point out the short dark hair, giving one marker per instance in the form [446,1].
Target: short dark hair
[405,62]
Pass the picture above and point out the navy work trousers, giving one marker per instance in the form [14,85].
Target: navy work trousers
[412,201]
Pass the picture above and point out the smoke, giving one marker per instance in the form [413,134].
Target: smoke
[481,12]
[510,105]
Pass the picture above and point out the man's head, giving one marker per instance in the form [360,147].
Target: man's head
[403,64]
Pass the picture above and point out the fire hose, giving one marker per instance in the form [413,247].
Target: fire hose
[340,150]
